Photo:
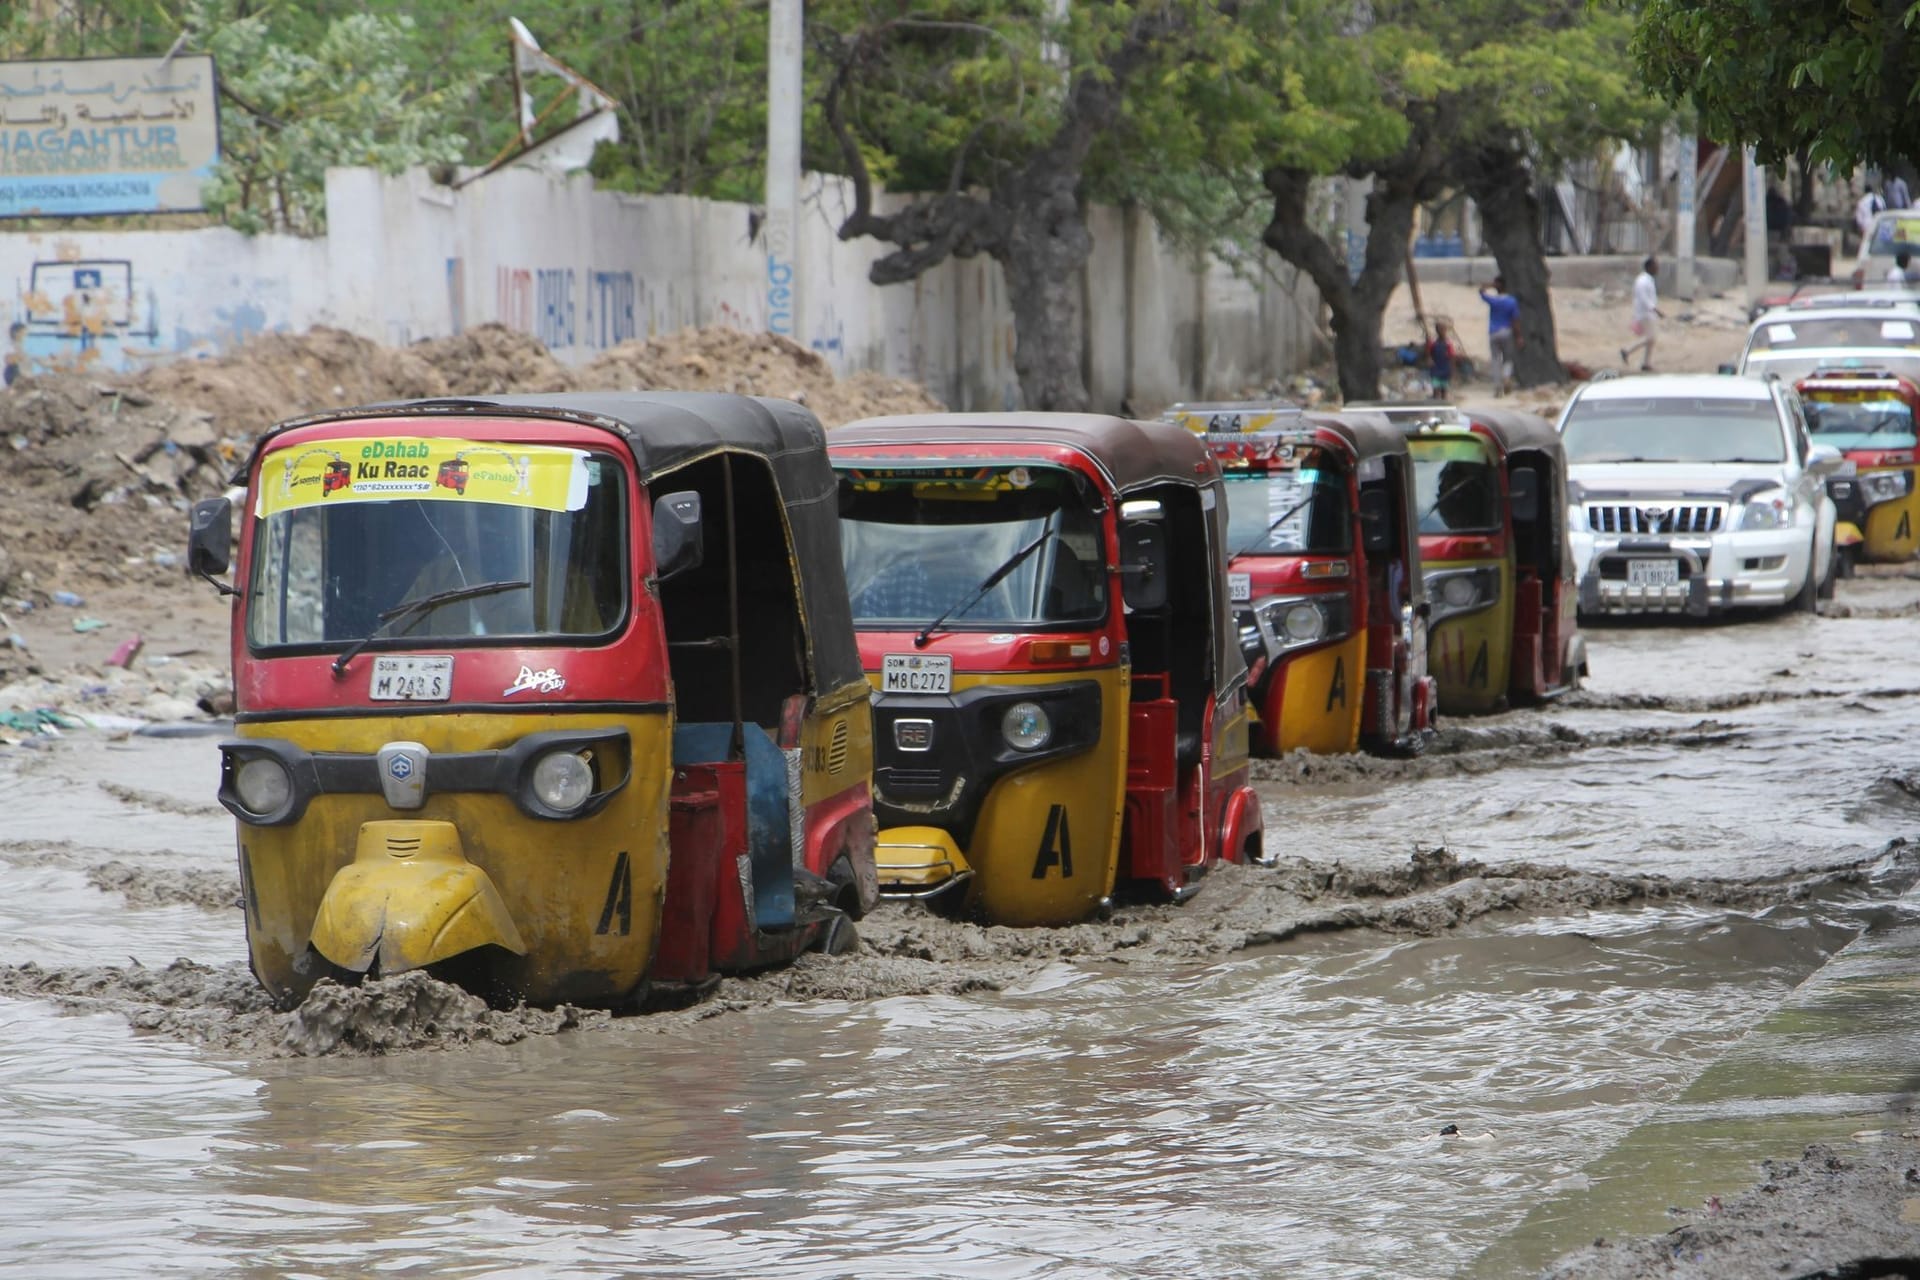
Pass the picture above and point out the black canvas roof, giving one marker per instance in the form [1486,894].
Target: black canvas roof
[1132,454]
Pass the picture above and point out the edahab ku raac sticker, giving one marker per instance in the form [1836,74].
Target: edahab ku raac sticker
[387,467]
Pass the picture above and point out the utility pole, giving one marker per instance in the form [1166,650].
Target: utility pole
[1687,153]
[1756,220]
[781,229]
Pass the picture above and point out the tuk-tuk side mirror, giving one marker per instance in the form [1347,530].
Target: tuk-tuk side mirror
[1376,520]
[679,540]
[1523,494]
[210,541]
[1143,565]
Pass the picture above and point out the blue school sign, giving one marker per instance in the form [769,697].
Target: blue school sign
[107,135]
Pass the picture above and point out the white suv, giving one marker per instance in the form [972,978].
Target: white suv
[1692,494]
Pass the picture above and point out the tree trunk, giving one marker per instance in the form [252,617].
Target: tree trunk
[1501,185]
[1356,306]
[1045,248]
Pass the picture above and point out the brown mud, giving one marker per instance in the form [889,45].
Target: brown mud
[905,950]
[1828,1215]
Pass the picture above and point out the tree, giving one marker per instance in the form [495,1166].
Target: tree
[1840,78]
[994,110]
[1543,83]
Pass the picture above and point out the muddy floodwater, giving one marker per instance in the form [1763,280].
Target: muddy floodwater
[1536,934]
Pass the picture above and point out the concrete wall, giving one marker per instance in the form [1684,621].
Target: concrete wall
[583,270]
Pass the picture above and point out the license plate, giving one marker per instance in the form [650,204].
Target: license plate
[1240,587]
[1653,573]
[411,680]
[916,673]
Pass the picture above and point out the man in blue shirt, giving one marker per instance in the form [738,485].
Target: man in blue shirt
[1502,343]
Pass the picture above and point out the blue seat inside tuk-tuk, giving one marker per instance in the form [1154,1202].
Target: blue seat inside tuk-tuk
[769,846]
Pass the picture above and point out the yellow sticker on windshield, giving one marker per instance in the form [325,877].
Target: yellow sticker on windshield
[387,467]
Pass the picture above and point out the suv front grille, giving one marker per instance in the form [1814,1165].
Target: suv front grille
[1627,517]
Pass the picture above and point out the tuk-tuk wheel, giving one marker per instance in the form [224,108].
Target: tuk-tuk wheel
[842,936]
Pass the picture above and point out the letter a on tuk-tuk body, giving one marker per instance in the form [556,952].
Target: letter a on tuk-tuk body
[1325,575]
[1059,702]
[1491,492]
[1868,414]
[589,719]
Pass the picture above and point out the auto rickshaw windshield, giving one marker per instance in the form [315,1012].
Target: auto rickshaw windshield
[1456,486]
[918,542]
[1861,419]
[330,569]
[1289,511]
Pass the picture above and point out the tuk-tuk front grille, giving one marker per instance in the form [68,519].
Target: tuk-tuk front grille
[1685,517]
[914,782]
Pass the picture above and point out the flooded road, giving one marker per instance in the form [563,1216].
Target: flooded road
[1166,1103]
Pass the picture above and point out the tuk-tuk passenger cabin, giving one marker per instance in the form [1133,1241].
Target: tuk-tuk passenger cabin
[552,696]
[1041,607]
[1493,541]
[1325,574]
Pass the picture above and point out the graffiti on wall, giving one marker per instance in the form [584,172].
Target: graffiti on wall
[562,307]
[78,313]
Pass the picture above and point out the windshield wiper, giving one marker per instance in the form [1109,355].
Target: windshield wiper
[414,609]
[994,579]
[1283,517]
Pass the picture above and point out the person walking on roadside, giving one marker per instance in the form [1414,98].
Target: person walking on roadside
[1440,360]
[1863,212]
[1898,197]
[1646,315]
[1503,344]
[1900,272]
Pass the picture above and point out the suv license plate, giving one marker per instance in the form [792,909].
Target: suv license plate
[411,680]
[916,673]
[1653,573]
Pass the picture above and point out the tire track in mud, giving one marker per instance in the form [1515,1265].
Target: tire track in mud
[159,801]
[135,877]
[907,950]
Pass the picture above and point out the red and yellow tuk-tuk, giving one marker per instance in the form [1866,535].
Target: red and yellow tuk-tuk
[1869,415]
[1325,575]
[592,720]
[1491,487]
[1060,704]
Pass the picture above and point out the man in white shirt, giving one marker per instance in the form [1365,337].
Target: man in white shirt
[1870,204]
[1898,273]
[1646,314]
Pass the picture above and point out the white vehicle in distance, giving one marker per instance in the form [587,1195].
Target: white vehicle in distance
[1694,494]
[1868,331]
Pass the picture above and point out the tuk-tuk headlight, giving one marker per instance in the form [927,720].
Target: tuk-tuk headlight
[1885,486]
[562,780]
[1457,591]
[263,786]
[1304,624]
[1026,726]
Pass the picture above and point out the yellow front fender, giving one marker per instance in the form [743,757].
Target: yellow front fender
[410,899]
[918,861]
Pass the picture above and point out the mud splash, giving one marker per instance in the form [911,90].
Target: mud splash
[907,950]
[1822,1215]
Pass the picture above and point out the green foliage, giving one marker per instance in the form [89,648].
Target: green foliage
[291,112]
[1840,78]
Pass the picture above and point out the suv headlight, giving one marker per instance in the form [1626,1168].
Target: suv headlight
[1451,592]
[1884,486]
[1768,509]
